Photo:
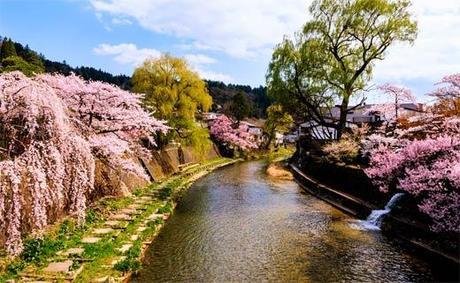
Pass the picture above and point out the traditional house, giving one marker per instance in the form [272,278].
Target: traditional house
[356,117]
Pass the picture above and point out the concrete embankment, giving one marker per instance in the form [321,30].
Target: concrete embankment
[416,235]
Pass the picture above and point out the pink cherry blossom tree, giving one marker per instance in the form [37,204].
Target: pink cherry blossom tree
[110,117]
[226,131]
[427,169]
[52,129]
[399,95]
[450,88]
[423,159]
[449,95]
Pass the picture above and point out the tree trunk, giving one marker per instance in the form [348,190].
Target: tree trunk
[269,141]
[343,116]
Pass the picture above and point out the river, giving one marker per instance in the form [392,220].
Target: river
[237,224]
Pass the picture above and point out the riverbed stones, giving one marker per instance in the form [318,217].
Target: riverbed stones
[59,267]
[90,240]
[102,231]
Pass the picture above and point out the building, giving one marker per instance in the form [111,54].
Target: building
[358,116]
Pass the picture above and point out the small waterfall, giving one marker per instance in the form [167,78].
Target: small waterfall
[374,220]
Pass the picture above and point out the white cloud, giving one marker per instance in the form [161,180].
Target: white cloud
[127,53]
[121,21]
[240,28]
[251,28]
[436,51]
[199,59]
[214,76]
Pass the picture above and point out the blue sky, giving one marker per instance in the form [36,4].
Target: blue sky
[222,39]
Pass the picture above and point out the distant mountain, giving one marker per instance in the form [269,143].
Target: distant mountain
[49,66]
[221,93]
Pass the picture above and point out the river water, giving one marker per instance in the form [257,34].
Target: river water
[237,225]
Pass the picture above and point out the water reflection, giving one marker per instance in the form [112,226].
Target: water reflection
[238,225]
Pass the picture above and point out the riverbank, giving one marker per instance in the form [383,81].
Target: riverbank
[240,225]
[417,237]
[110,245]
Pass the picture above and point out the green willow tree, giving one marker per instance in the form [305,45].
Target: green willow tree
[332,59]
[277,121]
[174,93]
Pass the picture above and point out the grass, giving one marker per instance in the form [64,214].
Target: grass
[98,257]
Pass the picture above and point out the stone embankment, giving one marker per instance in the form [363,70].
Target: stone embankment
[111,248]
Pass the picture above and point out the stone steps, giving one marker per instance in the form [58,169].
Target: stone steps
[61,269]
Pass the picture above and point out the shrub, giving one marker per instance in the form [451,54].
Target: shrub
[167,208]
[37,249]
[15,267]
[128,264]
[345,150]
[165,192]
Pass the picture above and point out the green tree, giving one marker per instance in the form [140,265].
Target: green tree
[240,107]
[174,93]
[33,58]
[7,49]
[277,121]
[16,63]
[331,60]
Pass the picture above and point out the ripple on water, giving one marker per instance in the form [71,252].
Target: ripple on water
[238,225]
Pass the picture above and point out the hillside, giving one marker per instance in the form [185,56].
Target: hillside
[221,93]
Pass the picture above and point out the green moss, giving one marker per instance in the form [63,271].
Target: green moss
[37,250]
[99,249]
[127,265]
[116,203]
[167,208]
[15,267]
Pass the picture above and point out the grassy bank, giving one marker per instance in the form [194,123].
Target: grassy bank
[111,242]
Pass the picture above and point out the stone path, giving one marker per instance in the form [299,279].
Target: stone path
[102,231]
[115,226]
[90,240]
[63,266]
[73,251]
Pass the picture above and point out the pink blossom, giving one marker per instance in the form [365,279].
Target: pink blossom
[398,95]
[451,88]
[429,170]
[224,130]
[54,128]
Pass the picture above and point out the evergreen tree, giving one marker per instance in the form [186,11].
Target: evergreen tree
[240,107]
[8,49]
[33,58]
